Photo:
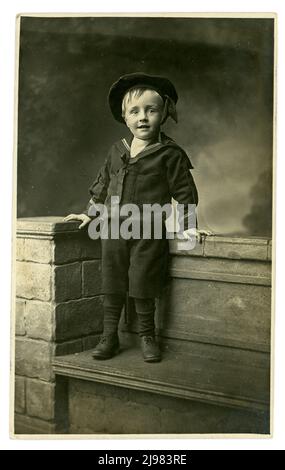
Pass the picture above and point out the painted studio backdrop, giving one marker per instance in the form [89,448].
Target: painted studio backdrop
[223,72]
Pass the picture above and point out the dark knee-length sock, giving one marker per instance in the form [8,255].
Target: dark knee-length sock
[113,304]
[145,309]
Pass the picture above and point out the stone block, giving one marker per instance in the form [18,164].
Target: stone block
[33,359]
[20,394]
[38,250]
[78,318]
[39,320]
[89,249]
[68,347]
[269,250]
[66,249]
[20,317]
[40,399]
[74,247]
[89,342]
[67,282]
[91,276]
[20,249]
[27,425]
[33,280]
[46,225]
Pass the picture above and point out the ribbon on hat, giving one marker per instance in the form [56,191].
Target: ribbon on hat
[169,109]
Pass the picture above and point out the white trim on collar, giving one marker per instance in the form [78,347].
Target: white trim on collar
[126,144]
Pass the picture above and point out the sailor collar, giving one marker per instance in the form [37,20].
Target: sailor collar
[125,147]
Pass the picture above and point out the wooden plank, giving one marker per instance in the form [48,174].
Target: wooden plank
[242,271]
[225,247]
[234,315]
[184,376]
[222,277]
[178,341]
[236,248]
[194,338]
[186,340]
[233,355]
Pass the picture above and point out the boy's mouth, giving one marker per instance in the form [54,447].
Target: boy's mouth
[143,126]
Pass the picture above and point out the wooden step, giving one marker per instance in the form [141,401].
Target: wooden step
[187,376]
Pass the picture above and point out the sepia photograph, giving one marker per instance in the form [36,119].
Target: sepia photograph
[143,225]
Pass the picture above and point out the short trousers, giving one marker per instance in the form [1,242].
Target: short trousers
[136,266]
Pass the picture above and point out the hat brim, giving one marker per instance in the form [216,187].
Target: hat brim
[162,85]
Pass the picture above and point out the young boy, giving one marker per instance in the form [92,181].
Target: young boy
[147,168]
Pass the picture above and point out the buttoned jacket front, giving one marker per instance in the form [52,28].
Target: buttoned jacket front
[157,174]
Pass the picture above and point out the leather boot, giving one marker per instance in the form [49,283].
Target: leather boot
[150,349]
[107,347]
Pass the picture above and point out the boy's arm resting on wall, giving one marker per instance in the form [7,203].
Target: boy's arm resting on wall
[182,186]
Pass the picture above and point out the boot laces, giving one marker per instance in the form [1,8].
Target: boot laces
[148,339]
[105,338]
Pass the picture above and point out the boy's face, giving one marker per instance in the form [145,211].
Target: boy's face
[143,115]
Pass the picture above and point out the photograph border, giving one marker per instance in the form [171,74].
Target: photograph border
[257,15]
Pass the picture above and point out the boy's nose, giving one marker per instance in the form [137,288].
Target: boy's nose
[142,116]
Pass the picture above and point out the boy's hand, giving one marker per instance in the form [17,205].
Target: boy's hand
[82,217]
[199,234]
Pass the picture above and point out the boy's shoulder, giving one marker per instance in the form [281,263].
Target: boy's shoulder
[169,142]
[175,149]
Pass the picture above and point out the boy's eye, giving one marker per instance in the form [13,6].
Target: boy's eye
[136,111]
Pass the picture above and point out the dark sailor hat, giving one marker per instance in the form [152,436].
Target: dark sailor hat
[162,85]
